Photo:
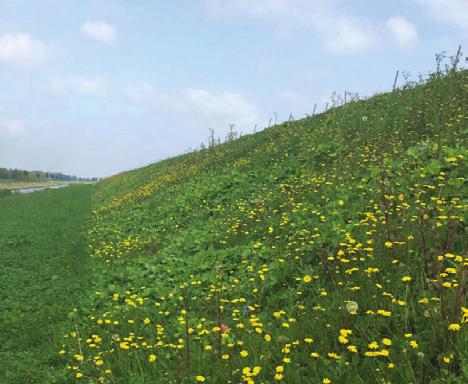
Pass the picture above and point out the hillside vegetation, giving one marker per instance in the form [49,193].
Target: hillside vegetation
[327,250]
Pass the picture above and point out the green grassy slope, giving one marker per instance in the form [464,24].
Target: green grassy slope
[43,274]
[331,249]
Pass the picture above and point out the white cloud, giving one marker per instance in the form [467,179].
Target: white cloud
[22,49]
[100,31]
[338,31]
[448,11]
[227,105]
[141,91]
[347,35]
[196,103]
[402,31]
[231,8]
[83,85]
[12,128]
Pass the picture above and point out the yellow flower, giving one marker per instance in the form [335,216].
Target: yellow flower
[352,348]
[454,327]
[124,345]
[414,344]
[326,381]
[78,357]
[373,345]
[200,378]
[279,369]
[388,244]
[424,300]
[340,203]
[387,341]
[345,332]
[406,278]
[244,353]
[278,377]
[383,312]
[315,355]
[78,375]
[343,340]
[146,321]
[152,358]
[307,279]
[384,352]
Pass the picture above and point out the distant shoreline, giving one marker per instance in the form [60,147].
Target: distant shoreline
[14,185]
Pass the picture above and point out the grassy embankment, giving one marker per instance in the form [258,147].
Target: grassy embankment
[331,249]
[44,273]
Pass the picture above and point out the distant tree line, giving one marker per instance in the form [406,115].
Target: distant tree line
[22,175]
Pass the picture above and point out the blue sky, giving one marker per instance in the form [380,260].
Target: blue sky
[94,87]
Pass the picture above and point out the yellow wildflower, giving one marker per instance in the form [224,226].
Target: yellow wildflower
[454,327]
[152,358]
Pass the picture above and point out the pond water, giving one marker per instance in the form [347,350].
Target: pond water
[35,189]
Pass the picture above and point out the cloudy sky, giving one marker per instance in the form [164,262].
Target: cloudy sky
[94,87]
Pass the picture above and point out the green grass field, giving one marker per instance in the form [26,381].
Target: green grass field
[44,273]
[326,250]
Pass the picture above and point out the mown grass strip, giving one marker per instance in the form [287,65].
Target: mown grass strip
[44,273]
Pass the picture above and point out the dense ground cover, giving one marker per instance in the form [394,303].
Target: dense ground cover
[44,273]
[328,250]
